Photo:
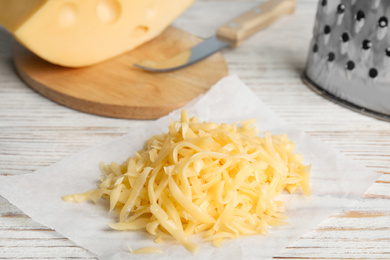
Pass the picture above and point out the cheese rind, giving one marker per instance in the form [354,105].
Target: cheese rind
[14,13]
[85,32]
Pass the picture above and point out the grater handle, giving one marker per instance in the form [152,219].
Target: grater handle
[255,19]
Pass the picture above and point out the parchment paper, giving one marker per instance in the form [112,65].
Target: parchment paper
[336,181]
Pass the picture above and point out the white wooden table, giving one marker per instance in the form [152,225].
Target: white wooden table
[35,132]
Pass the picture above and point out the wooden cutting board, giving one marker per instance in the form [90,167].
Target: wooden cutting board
[117,89]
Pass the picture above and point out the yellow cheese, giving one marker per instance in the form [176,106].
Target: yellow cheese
[75,33]
[219,179]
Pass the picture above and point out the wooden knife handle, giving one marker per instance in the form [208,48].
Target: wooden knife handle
[254,20]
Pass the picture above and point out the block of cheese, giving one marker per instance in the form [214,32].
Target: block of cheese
[85,32]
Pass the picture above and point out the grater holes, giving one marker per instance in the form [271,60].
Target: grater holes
[340,8]
[331,56]
[387,51]
[327,29]
[350,65]
[383,22]
[373,73]
[345,37]
[324,2]
[366,45]
[382,27]
[315,48]
[360,15]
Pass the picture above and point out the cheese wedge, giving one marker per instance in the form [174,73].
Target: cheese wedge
[76,33]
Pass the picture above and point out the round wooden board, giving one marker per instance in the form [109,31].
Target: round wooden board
[115,88]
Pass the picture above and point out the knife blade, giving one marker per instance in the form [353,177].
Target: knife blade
[231,34]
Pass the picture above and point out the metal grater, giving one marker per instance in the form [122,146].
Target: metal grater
[349,56]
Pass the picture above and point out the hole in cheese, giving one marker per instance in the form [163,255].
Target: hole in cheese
[139,30]
[108,11]
[67,15]
[150,13]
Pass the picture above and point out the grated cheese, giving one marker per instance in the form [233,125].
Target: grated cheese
[145,250]
[202,177]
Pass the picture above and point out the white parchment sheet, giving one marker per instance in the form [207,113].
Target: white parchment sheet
[336,181]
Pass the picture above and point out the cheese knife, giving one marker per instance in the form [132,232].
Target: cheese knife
[230,34]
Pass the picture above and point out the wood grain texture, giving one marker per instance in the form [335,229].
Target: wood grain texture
[35,132]
[116,88]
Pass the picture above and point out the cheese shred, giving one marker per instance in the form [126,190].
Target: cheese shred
[220,180]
